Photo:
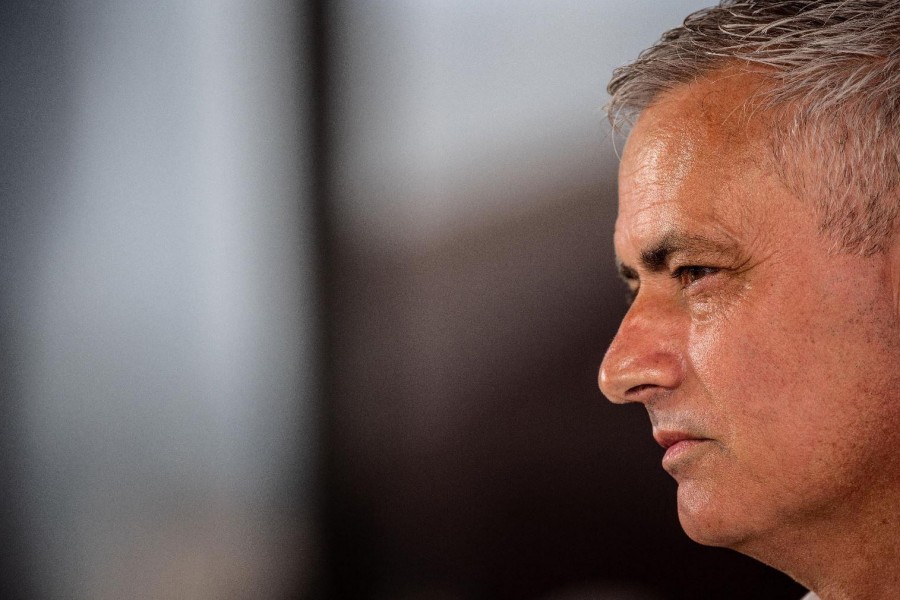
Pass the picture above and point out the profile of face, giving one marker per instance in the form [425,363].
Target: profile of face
[769,363]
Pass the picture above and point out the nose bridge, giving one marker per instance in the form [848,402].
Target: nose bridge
[646,356]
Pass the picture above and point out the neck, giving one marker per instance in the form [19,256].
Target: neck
[852,556]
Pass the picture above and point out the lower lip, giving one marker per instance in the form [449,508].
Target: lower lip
[677,450]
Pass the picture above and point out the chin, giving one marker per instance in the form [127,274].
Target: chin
[708,521]
[710,534]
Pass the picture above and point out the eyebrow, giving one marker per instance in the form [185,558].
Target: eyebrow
[656,257]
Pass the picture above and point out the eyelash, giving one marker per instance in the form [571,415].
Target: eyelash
[690,274]
[686,276]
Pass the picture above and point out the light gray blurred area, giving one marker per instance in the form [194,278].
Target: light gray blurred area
[166,417]
[158,319]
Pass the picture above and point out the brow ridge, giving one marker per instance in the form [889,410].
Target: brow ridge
[656,257]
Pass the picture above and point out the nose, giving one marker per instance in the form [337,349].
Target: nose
[645,358]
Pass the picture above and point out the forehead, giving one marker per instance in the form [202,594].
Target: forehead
[696,159]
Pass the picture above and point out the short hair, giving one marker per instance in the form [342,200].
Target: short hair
[834,67]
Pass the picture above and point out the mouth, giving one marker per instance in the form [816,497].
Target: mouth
[667,439]
[677,444]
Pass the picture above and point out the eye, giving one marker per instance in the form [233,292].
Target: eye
[690,274]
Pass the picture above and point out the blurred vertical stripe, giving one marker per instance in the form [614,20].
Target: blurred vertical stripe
[158,298]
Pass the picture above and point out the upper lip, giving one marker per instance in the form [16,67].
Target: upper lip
[667,438]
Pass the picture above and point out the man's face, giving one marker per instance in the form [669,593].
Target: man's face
[769,365]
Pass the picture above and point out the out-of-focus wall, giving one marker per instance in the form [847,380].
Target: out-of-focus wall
[439,102]
[158,308]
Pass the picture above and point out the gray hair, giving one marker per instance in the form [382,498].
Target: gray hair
[834,66]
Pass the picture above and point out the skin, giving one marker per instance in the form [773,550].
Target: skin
[750,335]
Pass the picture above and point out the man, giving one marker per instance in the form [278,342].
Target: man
[758,230]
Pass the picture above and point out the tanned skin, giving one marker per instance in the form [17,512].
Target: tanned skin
[769,364]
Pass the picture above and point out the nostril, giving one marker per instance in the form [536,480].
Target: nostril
[634,391]
[643,393]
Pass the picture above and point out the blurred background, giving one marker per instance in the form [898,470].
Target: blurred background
[307,300]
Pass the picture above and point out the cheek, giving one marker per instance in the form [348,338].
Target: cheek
[797,388]
[745,365]
[770,449]
[762,356]
[763,383]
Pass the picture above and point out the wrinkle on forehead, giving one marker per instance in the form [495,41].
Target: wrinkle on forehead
[661,163]
[717,110]
[676,176]
[691,159]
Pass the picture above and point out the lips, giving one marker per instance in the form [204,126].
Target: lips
[667,439]
[677,444]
